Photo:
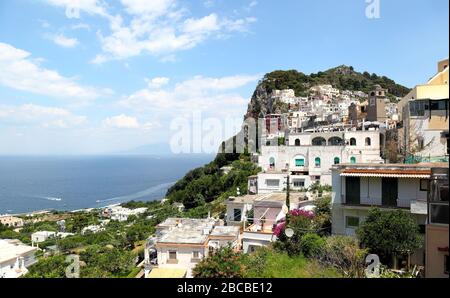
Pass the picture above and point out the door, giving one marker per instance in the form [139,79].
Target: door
[352,190]
[389,191]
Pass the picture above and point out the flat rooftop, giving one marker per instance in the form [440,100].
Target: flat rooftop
[185,230]
[11,249]
[225,231]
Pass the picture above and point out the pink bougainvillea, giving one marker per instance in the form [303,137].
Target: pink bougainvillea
[281,225]
[279,228]
[301,212]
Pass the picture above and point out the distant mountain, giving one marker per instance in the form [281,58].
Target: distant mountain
[151,149]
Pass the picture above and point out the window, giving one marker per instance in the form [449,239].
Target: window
[300,162]
[237,214]
[351,222]
[299,183]
[317,178]
[172,255]
[319,141]
[317,162]
[368,142]
[196,255]
[273,182]
[353,160]
[297,142]
[438,105]
[418,107]
[272,162]
[352,142]
[424,184]
[337,160]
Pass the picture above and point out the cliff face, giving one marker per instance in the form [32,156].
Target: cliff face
[261,103]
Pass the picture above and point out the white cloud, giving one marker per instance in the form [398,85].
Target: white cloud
[31,114]
[81,26]
[142,7]
[121,121]
[160,29]
[73,8]
[19,71]
[63,41]
[157,82]
[215,96]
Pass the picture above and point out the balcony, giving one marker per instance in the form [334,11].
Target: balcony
[364,206]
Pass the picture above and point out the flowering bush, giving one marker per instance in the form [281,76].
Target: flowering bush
[301,222]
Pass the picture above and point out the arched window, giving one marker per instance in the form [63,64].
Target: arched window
[272,162]
[352,142]
[317,162]
[319,141]
[337,160]
[353,159]
[335,141]
[368,142]
[297,142]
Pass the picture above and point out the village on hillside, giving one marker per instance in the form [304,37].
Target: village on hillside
[333,171]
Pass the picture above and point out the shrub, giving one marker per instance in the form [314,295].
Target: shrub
[344,254]
[224,263]
[311,245]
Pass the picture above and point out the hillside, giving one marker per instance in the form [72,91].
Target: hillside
[342,77]
[206,184]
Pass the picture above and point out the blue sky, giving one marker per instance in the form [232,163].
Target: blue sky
[92,77]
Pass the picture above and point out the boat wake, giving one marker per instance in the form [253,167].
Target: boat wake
[54,199]
[139,194]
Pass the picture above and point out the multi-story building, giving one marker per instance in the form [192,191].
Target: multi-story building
[181,243]
[425,118]
[308,158]
[268,210]
[359,187]
[437,256]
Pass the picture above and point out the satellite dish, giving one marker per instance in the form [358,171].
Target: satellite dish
[289,232]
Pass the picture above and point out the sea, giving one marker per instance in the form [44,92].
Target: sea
[67,183]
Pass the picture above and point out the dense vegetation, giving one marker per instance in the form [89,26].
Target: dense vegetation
[264,263]
[342,77]
[207,184]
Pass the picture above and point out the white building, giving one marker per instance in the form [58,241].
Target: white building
[120,213]
[42,236]
[11,221]
[358,188]
[308,158]
[181,242]
[15,257]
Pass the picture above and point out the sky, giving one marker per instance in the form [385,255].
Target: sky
[99,77]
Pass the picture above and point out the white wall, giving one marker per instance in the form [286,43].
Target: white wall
[184,257]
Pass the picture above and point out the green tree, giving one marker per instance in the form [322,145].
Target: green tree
[390,233]
[48,267]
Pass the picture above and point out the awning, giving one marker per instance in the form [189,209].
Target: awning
[167,273]
[385,173]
